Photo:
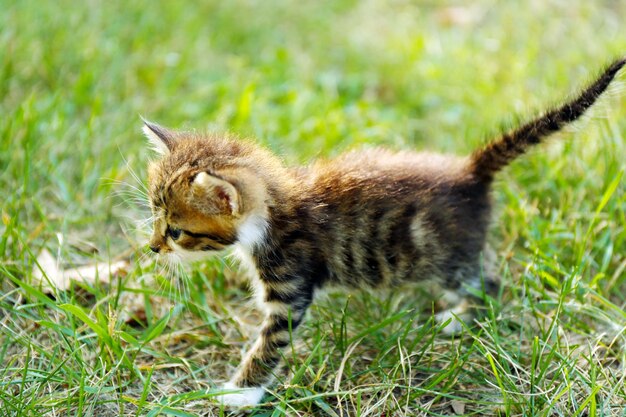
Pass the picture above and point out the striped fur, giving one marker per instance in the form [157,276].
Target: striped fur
[372,218]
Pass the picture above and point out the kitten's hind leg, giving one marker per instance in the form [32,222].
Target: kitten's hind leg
[456,310]
[459,306]
[247,386]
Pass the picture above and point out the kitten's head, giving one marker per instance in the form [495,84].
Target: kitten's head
[200,197]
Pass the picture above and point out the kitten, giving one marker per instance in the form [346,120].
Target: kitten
[372,218]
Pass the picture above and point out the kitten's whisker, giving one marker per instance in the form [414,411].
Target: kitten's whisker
[185,278]
[133,173]
[144,259]
[168,266]
[128,196]
[143,223]
[138,202]
[165,288]
[127,188]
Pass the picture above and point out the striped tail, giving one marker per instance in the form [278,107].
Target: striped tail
[487,161]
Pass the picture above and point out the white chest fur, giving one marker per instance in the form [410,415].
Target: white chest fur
[252,233]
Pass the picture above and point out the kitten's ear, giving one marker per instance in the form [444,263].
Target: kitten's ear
[215,195]
[160,138]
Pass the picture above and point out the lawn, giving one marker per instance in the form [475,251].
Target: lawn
[306,79]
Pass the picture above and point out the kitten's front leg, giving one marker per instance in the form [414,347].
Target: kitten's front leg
[256,371]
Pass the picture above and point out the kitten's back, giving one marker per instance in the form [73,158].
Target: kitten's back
[390,217]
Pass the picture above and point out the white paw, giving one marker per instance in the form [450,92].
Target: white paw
[456,316]
[240,397]
[455,324]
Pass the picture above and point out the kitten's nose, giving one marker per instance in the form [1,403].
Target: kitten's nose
[155,249]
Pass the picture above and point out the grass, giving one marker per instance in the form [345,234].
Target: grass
[306,79]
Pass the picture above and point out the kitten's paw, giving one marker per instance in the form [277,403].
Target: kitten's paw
[240,397]
[455,325]
[457,314]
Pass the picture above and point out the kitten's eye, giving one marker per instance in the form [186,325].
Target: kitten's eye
[175,233]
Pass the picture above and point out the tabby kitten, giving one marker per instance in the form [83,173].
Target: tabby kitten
[371,218]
